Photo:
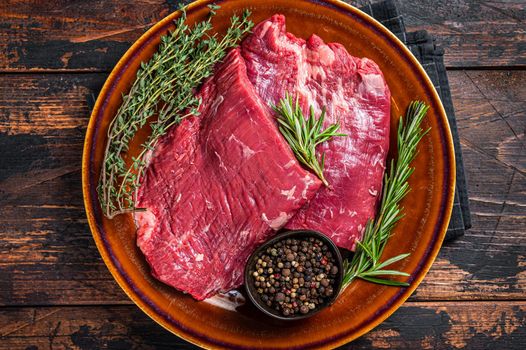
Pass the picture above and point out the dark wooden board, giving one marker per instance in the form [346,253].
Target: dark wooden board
[79,35]
[61,35]
[490,260]
[474,33]
[48,253]
[49,257]
[477,325]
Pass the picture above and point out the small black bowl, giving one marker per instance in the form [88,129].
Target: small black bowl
[249,279]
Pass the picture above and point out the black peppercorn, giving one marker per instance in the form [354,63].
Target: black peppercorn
[295,276]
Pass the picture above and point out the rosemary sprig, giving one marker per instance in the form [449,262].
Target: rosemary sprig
[162,95]
[365,263]
[304,134]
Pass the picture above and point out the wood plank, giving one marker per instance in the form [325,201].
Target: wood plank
[474,33]
[451,325]
[45,236]
[490,259]
[61,35]
[92,36]
[48,256]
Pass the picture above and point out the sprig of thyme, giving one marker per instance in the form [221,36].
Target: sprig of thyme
[162,95]
[365,263]
[304,134]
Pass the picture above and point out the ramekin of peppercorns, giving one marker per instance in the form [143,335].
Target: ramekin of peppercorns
[294,275]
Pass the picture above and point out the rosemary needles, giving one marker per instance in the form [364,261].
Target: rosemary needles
[161,96]
[365,263]
[304,134]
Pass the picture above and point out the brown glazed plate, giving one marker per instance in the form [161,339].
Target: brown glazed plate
[363,305]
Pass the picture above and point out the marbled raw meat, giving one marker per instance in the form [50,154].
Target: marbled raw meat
[217,186]
[355,93]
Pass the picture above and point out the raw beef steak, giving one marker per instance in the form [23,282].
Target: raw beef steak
[355,93]
[218,185]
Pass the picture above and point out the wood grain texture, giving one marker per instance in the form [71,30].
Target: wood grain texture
[490,260]
[73,35]
[479,325]
[47,255]
[64,35]
[474,33]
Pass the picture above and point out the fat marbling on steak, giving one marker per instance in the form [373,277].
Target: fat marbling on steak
[218,185]
[355,93]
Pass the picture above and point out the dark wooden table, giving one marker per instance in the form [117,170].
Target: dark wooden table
[55,291]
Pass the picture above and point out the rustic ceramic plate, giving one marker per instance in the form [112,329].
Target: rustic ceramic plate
[363,305]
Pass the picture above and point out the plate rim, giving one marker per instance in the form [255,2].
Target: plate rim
[383,313]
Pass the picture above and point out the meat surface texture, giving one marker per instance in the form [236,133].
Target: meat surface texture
[355,93]
[217,186]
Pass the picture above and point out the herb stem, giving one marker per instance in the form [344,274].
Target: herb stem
[304,134]
[162,95]
[365,263]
